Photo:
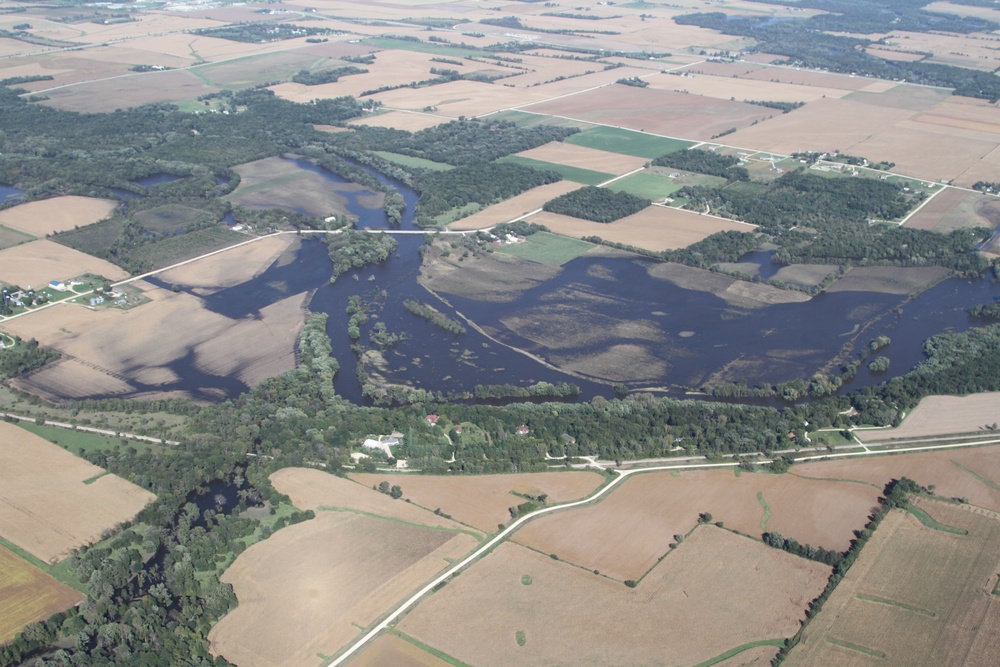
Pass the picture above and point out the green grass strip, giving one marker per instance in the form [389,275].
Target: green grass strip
[441,529]
[520,638]
[91,480]
[929,521]
[568,172]
[996,587]
[61,572]
[767,511]
[901,605]
[987,482]
[739,649]
[410,161]
[441,655]
[854,647]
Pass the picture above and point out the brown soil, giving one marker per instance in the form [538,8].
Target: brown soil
[52,502]
[58,214]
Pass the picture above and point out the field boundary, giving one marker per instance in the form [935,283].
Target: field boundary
[767,511]
[441,529]
[437,653]
[987,482]
[893,603]
[61,571]
[778,643]
[930,522]
[856,647]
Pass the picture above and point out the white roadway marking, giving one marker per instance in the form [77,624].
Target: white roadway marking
[621,475]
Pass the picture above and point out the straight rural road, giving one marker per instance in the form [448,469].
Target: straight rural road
[620,476]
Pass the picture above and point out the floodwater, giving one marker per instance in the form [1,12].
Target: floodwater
[687,337]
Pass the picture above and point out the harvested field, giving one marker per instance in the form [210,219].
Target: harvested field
[727,87]
[37,263]
[983,170]
[656,228]
[819,79]
[277,182]
[459,98]
[972,473]
[888,279]
[944,415]
[316,490]
[915,596]
[717,591]
[914,98]
[146,363]
[58,214]
[659,111]
[482,500]
[625,534]
[585,158]
[52,502]
[952,209]
[307,589]
[390,649]
[106,95]
[823,125]
[515,207]
[28,595]
[411,121]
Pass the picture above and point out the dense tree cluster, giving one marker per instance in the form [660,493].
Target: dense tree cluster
[597,204]
[483,184]
[23,357]
[434,316]
[352,249]
[705,162]
[262,32]
[805,44]
[319,77]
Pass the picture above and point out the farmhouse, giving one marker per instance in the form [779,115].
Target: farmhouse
[523,430]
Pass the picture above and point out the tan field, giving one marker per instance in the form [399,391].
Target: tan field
[483,500]
[944,415]
[317,490]
[392,650]
[916,596]
[983,170]
[515,207]
[58,214]
[660,111]
[238,266]
[820,79]
[726,87]
[625,534]
[28,595]
[145,362]
[411,121]
[892,54]
[716,592]
[459,98]
[973,474]
[823,125]
[37,263]
[975,50]
[122,92]
[888,279]
[52,502]
[307,589]
[560,152]
[952,209]
[656,228]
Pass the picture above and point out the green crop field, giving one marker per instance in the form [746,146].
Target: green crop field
[628,142]
[575,174]
[11,237]
[418,162]
[548,248]
[646,184]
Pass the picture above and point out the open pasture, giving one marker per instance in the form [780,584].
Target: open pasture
[52,502]
[515,207]
[627,142]
[277,182]
[658,111]
[577,155]
[716,592]
[37,263]
[625,535]
[48,216]
[574,174]
[317,490]
[943,415]
[973,474]
[915,596]
[12,237]
[661,182]
[888,279]
[28,595]
[548,248]
[309,588]
[656,228]
[482,501]
[952,209]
